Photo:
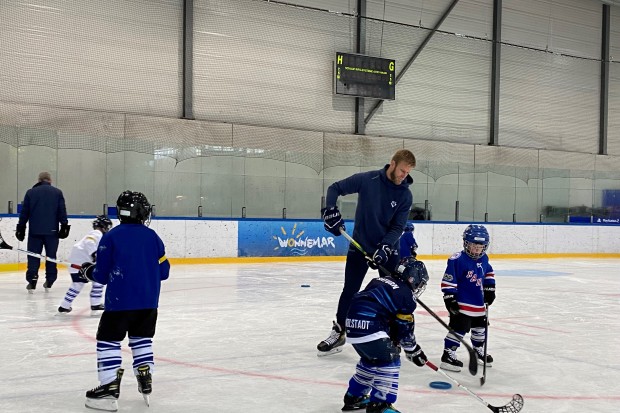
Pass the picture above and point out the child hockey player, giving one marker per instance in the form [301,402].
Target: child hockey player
[468,284]
[379,323]
[85,250]
[408,245]
[131,261]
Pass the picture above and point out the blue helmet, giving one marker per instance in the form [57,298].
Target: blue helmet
[103,223]
[475,234]
[414,274]
[409,227]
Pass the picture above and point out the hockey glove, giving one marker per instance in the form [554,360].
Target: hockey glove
[416,356]
[86,272]
[489,294]
[64,231]
[332,220]
[20,232]
[381,256]
[451,304]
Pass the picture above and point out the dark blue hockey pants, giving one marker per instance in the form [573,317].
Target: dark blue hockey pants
[36,243]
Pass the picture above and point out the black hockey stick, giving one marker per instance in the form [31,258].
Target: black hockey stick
[473,356]
[514,406]
[483,379]
[5,246]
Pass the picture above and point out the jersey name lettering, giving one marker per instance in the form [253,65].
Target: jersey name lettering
[358,324]
[389,282]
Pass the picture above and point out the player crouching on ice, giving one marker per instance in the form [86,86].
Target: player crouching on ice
[379,323]
[131,261]
[82,251]
[468,284]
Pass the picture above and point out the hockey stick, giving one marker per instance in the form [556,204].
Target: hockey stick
[514,406]
[483,379]
[473,356]
[5,246]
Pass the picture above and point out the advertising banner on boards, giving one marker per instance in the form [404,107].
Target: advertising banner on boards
[288,238]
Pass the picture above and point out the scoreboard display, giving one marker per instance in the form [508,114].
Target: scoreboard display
[365,76]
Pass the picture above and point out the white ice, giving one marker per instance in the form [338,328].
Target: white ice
[242,337]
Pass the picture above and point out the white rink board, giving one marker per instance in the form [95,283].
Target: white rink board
[182,238]
[195,238]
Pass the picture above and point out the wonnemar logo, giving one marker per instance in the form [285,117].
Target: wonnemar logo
[297,242]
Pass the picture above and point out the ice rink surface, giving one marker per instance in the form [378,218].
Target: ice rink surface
[242,338]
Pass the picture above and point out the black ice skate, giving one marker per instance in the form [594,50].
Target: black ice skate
[480,352]
[31,287]
[47,286]
[63,310]
[380,407]
[332,344]
[354,402]
[96,310]
[449,361]
[105,397]
[145,382]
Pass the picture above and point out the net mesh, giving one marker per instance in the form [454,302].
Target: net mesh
[443,97]
[184,140]
[285,110]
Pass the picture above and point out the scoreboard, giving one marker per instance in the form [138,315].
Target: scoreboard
[364,76]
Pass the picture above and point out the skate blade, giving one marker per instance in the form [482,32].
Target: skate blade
[96,313]
[481,363]
[335,350]
[109,404]
[450,367]
[350,409]
[147,399]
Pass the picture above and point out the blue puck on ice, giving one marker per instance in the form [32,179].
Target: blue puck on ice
[442,385]
[305,285]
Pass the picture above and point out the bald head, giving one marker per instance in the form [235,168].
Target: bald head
[45,176]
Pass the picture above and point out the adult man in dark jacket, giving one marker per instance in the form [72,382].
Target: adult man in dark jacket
[44,207]
[383,204]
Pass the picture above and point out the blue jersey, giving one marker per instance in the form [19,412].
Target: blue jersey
[407,244]
[131,261]
[466,278]
[383,309]
[382,206]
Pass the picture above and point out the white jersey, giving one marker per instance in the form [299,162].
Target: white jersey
[83,250]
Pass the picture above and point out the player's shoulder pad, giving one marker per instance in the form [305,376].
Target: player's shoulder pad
[455,256]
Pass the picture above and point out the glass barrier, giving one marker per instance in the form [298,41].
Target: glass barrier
[258,180]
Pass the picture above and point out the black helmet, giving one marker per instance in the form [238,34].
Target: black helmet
[414,274]
[133,207]
[103,223]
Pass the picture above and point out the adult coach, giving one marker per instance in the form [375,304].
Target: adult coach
[44,208]
[383,205]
